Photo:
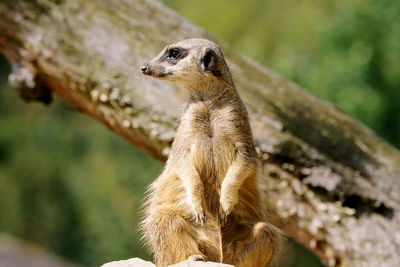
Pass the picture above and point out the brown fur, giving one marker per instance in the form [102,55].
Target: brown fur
[206,204]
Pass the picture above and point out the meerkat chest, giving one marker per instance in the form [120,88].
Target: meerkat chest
[209,134]
[204,123]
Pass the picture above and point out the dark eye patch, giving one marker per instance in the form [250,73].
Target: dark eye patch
[174,53]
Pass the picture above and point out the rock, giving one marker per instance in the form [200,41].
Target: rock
[190,263]
[137,262]
[133,262]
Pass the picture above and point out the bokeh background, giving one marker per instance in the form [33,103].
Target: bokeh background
[70,185]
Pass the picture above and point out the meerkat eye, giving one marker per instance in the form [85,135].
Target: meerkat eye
[174,53]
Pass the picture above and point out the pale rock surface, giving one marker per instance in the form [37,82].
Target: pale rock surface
[137,262]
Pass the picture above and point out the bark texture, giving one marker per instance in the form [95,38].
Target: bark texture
[333,185]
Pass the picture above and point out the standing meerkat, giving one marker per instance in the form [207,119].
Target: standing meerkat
[206,204]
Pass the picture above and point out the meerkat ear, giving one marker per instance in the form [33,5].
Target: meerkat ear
[209,61]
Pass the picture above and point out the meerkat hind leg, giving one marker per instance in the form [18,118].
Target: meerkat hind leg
[257,246]
[175,239]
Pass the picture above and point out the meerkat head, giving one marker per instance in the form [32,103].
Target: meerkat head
[188,62]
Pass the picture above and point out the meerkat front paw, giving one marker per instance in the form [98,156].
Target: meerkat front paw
[197,211]
[227,204]
[200,217]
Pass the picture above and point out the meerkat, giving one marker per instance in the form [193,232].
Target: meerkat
[206,203]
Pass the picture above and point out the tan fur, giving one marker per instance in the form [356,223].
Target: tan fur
[206,204]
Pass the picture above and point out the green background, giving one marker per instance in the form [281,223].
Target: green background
[72,186]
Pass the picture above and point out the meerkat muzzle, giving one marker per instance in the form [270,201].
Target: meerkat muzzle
[145,70]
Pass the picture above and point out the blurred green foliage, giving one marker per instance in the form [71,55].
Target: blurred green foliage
[69,184]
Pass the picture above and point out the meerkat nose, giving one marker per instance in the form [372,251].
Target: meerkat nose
[144,69]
